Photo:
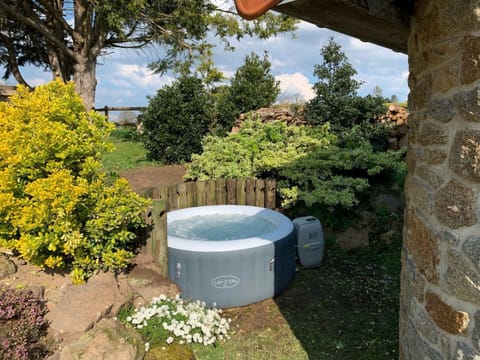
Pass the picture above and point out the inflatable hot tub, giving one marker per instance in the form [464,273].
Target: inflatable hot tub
[230,255]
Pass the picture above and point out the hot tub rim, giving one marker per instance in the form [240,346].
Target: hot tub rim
[284,227]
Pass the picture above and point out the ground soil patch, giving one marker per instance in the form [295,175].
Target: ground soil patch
[152,176]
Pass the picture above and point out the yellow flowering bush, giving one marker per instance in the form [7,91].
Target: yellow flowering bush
[57,208]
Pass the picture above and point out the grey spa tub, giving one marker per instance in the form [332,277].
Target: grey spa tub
[247,254]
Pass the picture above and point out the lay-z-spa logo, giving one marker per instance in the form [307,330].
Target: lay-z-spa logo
[225,281]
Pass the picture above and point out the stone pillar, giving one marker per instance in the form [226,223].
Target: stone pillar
[440,296]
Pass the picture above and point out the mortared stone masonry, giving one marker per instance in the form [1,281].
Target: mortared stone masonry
[440,282]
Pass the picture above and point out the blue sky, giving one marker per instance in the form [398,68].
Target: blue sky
[125,80]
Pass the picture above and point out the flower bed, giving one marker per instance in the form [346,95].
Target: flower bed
[167,320]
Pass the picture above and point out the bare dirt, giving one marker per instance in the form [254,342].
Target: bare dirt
[152,176]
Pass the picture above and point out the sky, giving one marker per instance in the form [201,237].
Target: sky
[124,79]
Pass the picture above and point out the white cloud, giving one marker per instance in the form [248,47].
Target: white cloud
[128,83]
[135,75]
[39,80]
[294,88]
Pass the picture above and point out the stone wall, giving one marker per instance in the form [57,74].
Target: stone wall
[440,297]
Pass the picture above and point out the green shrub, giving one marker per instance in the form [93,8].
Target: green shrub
[311,165]
[22,325]
[338,176]
[176,119]
[57,209]
[251,88]
[126,133]
[258,150]
[336,99]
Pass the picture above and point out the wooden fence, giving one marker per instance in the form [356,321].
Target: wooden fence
[254,192]
[106,109]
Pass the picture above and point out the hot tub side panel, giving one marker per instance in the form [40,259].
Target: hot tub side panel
[228,279]
[234,278]
[284,262]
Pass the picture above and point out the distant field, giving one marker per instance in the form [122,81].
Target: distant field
[128,154]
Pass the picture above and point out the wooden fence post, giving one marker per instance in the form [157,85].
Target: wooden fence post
[241,192]
[250,190]
[231,186]
[212,192]
[221,192]
[159,235]
[201,189]
[260,193]
[191,194]
[270,194]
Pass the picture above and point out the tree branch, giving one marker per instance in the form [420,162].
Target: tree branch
[37,25]
[58,17]
[12,62]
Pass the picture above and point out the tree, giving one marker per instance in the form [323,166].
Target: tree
[176,119]
[127,118]
[68,36]
[377,91]
[252,87]
[336,100]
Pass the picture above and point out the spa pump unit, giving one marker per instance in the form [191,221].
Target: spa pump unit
[310,242]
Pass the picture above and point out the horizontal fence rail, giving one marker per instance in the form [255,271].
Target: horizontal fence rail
[107,109]
[253,192]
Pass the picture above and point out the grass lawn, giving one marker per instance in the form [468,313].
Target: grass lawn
[127,154]
[345,309]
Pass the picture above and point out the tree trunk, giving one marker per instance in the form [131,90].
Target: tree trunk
[84,77]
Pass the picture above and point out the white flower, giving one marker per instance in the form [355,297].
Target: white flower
[189,321]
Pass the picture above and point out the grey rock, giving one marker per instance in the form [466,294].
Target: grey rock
[7,267]
[358,235]
[423,324]
[108,340]
[455,205]
[471,248]
[461,279]
[465,352]
[82,306]
[450,238]
[390,236]
[391,202]
[476,331]
[442,110]
[146,281]
[468,104]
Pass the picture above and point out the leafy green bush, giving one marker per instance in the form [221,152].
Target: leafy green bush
[22,325]
[251,88]
[125,133]
[336,100]
[56,208]
[258,150]
[311,164]
[337,176]
[176,119]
